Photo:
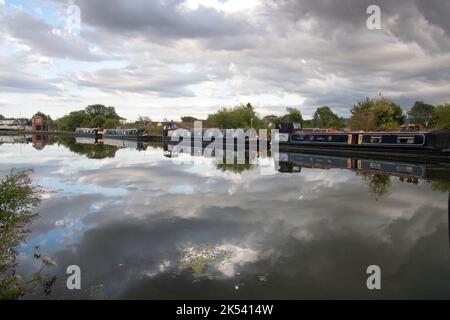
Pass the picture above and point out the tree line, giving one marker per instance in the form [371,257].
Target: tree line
[380,114]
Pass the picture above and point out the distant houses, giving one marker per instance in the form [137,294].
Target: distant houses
[122,121]
[15,124]
[37,123]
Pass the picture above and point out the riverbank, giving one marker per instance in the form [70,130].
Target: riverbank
[23,132]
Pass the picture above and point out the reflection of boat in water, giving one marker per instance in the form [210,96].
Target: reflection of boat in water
[120,144]
[86,140]
[174,150]
[125,144]
[10,139]
[294,162]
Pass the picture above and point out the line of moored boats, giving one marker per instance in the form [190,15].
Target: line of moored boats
[122,134]
[290,137]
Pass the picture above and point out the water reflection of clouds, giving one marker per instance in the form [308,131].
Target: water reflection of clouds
[128,216]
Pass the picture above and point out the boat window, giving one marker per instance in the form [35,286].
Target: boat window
[376,139]
[406,140]
[405,169]
[375,166]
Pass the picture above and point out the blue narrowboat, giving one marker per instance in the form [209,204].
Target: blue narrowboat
[412,141]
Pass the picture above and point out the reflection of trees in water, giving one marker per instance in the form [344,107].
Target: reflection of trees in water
[441,186]
[379,185]
[236,168]
[91,151]
[18,199]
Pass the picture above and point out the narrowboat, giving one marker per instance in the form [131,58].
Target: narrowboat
[208,137]
[87,133]
[404,142]
[126,134]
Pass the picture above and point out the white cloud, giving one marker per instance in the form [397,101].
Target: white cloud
[226,6]
[194,56]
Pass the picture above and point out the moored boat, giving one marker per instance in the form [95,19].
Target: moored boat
[87,133]
[126,134]
[403,140]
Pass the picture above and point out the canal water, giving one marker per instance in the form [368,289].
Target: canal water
[142,222]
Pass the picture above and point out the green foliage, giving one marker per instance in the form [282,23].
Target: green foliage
[441,186]
[91,151]
[18,198]
[237,117]
[76,119]
[110,124]
[43,116]
[188,119]
[271,119]
[423,114]
[97,110]
[381,114]
[293,115]
[325,118]
[442,113]
[2,117]
[156,131]
[94,116]
[379,185]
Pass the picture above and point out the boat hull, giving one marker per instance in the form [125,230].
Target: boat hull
[129,138]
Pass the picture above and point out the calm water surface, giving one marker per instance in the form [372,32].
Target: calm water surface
[143,225]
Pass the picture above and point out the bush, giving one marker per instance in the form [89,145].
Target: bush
[442,113]
[18,199]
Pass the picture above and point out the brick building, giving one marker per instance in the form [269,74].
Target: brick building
[40,124]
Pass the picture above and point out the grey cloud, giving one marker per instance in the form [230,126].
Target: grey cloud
[40,37]
[155,79]
[319,50]
[159,19]
[20,80]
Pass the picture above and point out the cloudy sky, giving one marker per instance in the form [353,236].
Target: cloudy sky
[168,58]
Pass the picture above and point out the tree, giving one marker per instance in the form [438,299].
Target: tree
[94,116]
[389,115]
[380,114]
[110,124]
[18,199]
[2,117]
[97,122]
[422,113]
[442,113]
[271,120]
[43,116]
[293,115]
[324,117]
[243,116]
[101,110]
[76,119]
[188,119]
[379,185]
